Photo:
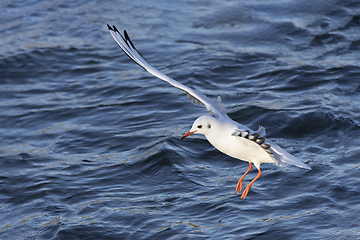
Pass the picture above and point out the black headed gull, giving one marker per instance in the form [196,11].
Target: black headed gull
[226,135]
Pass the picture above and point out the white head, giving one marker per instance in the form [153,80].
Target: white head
[202,125]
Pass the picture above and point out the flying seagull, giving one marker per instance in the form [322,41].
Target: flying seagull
[226,135]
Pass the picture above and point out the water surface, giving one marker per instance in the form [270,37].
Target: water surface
[90,143]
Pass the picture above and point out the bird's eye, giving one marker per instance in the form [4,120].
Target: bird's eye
[199,126]
[209,126]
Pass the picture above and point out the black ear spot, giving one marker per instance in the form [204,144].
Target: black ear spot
[199,126]
[209,126]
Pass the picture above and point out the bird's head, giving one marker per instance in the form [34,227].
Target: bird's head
[202,125]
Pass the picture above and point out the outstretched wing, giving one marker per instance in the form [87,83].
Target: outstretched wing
[124,42]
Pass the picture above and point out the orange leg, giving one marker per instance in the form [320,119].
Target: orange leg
[239,185]
[246,191]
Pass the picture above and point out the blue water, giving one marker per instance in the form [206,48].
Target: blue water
[89,141]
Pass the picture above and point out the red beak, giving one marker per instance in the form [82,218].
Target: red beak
[187,134]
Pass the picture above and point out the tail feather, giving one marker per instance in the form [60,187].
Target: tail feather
[282,156]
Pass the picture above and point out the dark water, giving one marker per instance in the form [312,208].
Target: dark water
[89,142]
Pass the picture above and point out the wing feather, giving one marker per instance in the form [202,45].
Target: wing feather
[124,42]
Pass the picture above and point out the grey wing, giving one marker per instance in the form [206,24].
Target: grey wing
[124,42]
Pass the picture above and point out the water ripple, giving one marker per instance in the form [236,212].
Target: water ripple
[91,143]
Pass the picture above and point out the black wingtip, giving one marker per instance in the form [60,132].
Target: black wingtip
[128,40]
[115,29]
[126,35]
[128,43]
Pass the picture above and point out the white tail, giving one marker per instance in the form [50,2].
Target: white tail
[282,156]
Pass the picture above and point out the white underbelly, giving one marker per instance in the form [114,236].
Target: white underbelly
[241,148]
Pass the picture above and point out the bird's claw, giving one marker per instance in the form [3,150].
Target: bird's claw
[238,188]
[244,194]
